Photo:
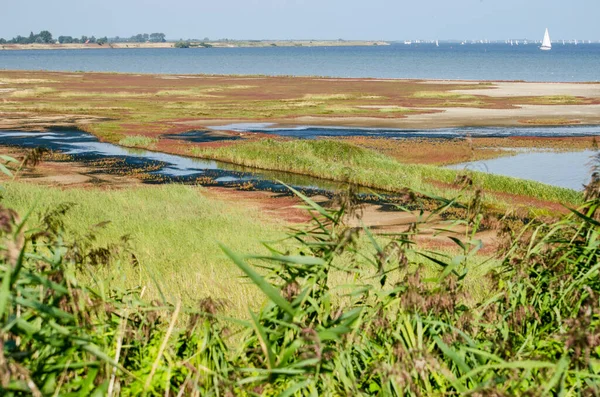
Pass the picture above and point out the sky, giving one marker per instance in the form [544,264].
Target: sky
[306,19]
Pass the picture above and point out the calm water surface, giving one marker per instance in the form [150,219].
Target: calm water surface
[312,132]
[448,61]
[571,170]
[168,168]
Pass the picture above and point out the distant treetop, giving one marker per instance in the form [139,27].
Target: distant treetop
[45,37]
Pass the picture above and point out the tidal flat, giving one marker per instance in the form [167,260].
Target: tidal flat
[149,220]
[185,115]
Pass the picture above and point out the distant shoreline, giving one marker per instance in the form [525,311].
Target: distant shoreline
[197,44]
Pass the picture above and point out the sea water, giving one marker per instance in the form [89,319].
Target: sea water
[422,61]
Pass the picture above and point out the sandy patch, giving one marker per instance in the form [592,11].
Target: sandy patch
[456,117]
[268,204]
[589,114]
[67,173]
[28,121]
[382,221]
[372,216]
[451,82]
[506,89]
[363,80]
[69,179]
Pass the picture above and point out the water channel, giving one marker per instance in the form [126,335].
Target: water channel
[571,170]
[162,167]
[564,169]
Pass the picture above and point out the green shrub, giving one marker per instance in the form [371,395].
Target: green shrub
[182,44]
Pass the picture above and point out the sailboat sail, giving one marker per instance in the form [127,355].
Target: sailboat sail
[546,44]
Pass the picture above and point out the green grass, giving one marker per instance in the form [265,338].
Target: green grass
[174,230]
[32,92]
[110,95]
[110,131]
[558,100]
[442,95]
[341,161]
[326,97]
[396,109]
[202,91]
[393,329]
[11,80]
[138,141]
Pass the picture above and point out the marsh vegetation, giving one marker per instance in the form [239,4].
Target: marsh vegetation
[341,161]
[166,291]
[343,312]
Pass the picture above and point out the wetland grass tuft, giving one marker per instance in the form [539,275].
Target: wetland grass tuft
[138,141]
[174,232]
[342,161]
[558,100]
[442,95]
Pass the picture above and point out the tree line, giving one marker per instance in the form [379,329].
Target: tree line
[45,37]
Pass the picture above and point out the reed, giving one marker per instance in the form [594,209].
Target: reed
[392,330]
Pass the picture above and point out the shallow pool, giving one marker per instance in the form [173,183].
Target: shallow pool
[565,169]
[312,131]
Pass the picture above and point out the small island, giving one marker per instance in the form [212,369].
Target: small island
[46,41]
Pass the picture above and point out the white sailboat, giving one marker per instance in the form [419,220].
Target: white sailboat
[437,44]
[546,43]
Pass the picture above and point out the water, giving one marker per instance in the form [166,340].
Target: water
[448,61]
[162,167]
[571,170]
[311,132]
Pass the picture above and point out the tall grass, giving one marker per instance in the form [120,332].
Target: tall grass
[536,333]
[442,95]
[173,231]
[139,141]
[343,161]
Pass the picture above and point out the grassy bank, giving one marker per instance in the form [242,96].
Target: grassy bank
[394,329]
[342,161]
[174,232]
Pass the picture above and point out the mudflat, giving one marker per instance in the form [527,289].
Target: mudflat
[115,106]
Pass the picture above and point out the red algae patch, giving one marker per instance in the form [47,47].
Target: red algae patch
[114,105]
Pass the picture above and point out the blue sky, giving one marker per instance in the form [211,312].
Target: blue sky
[306,19]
